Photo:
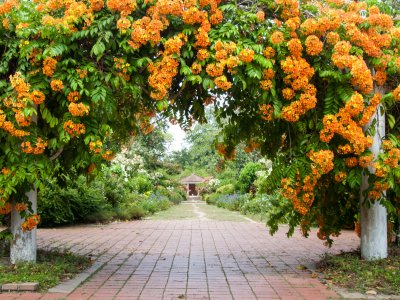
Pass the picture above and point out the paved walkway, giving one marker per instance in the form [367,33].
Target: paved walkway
[196,258]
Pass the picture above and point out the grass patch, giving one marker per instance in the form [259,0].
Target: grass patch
[176,212]
[51,268]
[220,214]
[349,271]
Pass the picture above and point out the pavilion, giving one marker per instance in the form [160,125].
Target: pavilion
[191,182]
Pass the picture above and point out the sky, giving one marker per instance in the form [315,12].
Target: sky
[178,136]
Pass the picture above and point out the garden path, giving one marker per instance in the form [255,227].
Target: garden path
[193,251]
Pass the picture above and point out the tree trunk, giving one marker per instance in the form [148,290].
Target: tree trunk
[23,245]
[374,217]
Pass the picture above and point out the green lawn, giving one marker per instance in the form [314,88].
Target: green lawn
[50,269]
[199,211]
[347,270]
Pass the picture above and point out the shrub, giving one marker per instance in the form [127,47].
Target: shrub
[231,202]
[102,216]
[142,184]
[130,212]
[212,198]
[247,176]
[226,189]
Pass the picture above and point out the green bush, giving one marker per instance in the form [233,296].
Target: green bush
[102,216]
[212,198]
[130,212]
[73,203]
[226,189]
[247,176]
[141,184]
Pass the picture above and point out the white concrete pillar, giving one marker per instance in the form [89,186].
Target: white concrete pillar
[374,217]
[23,245]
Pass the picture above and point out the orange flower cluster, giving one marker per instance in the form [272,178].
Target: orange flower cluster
[396,93]
[56,85]
[351,162]
[74,129]
[74,11]
[161,76]
[302,194]
[392,158]
[96,5]
[215,70]
[295,47]
[5,208]
[123,24]
[323,160]
[108,155]
[332,38]
[343,124]
[7,5]
[96,147]
[202,54]
[365,161]
[78,109]
[222,82]
[30,222]
[20,207]
[196,68]
[251,146]
[260,16]
[246,55]
[269,52]
[38,149]
[299,73]
[22,121]
[82,73]
[173,46]
[267,112]
[227,152]
[9,127]
[290,11]
[73,97]
[37,97]
[146,127]
[125,7]
[370,109]
[313,45]
[340,176]
[49,66]
[277,38]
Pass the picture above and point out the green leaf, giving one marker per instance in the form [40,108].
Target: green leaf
[391,121]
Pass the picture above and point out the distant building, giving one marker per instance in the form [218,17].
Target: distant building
[190,183]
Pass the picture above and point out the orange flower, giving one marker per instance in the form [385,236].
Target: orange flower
[78,109]
[37,97]
[277,38]
[74,129]
[269,52]
[49,66]
[56,85]
[21,207]
[313,45]
[260,16]
[30,222]
[73,96]
[246,55]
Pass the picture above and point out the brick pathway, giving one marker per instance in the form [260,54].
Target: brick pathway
[192,259]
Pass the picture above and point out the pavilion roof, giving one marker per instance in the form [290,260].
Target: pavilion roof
[192,179]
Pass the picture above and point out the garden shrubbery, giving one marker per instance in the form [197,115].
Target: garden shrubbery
[74,199]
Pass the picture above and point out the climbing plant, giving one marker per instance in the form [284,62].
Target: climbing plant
[299,79]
